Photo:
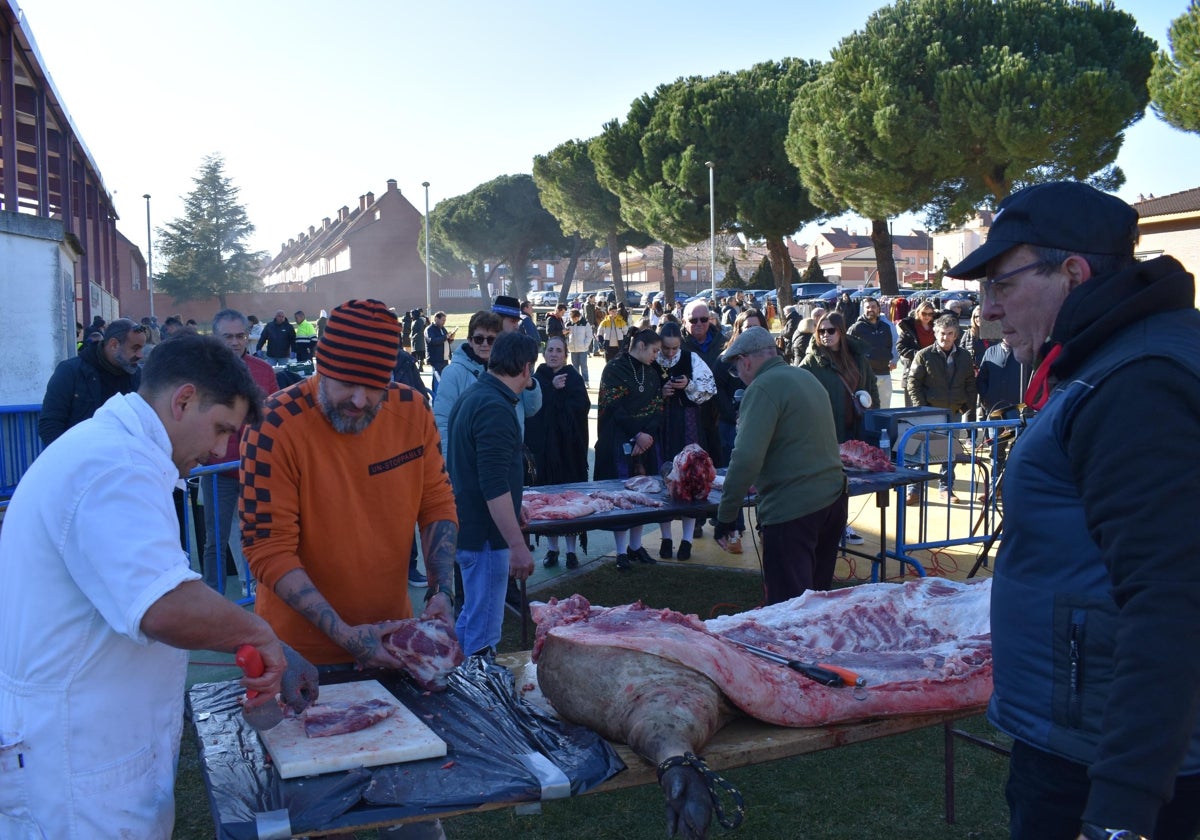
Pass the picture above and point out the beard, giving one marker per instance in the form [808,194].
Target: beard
[338,416]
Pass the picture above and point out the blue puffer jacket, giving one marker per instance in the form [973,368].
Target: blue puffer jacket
[1096,598]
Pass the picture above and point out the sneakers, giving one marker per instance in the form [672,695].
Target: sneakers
[734,543]
[666,549]
[641,555]
[572,560]
[685,550]
[852,537]
[551,560]
[623,564]
[913,496]
[415,578]
[948,495]
[698,531]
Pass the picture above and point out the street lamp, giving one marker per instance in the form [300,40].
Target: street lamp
[712,233]
[149,258]
[428,289]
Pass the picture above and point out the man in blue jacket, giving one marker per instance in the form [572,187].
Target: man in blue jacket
[82,384]
[484,457]
[1096,597]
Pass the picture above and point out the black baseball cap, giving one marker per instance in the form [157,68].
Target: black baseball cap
[1067,215]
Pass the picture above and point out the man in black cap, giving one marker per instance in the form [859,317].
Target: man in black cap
[787,447]
[1096,598]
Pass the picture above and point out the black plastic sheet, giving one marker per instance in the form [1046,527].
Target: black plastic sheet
[500,749]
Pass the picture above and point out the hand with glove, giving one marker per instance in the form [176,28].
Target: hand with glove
[723,532]
[299,688]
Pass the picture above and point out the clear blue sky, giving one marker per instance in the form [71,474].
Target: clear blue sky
[313,104]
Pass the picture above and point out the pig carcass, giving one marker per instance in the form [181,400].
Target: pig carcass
[670,681]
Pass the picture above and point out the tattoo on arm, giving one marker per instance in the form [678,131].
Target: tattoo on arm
[298,592]
[439,540]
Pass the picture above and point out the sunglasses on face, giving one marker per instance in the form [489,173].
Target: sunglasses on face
[480,340]
[827,330]
[703,320]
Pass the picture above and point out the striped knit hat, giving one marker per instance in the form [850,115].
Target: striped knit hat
[359,344]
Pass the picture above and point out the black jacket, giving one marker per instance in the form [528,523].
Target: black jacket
[77,388]
[278,338]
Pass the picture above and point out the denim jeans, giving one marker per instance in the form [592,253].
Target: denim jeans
[218,521]
[580,362]
[485,580]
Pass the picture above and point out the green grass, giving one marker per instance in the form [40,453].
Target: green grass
[892,787]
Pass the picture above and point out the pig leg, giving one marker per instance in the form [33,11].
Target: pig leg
[659,708]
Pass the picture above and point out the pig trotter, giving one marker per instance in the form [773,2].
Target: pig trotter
[299,688]
[693,793]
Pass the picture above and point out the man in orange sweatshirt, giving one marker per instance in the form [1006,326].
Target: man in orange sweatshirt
[334,478]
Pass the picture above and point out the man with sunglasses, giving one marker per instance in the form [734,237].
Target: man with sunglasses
[82,384]
[703,337]
[468,361]
[1096,599]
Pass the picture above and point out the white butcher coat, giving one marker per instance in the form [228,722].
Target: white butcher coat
[90,709]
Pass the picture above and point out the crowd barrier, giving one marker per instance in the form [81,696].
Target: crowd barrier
[19,445]
[977,451]
[203,480]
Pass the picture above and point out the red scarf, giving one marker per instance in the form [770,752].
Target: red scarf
[1039,386]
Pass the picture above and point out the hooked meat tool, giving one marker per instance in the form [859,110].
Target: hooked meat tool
[830,675]
[265,715]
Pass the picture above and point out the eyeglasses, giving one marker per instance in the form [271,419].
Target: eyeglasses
[697,320]
[233,336]
[827,330]
[480,340]
[996,292]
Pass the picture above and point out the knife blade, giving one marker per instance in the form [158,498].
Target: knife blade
[830,675]
[265,715]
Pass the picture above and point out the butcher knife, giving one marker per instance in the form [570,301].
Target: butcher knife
[830,675]
[266,715]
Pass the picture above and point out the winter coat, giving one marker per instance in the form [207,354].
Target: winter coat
[846,420]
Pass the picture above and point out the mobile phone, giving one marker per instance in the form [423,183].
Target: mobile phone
[628,447]
[678,378]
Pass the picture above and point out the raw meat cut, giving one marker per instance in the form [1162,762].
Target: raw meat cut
[328,719]
[626,499]
[569,504]
[644,484]
[428,649]
[858,454]
[691,476]
[922,646]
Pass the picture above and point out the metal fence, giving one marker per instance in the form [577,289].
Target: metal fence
[19,445]
[203,480]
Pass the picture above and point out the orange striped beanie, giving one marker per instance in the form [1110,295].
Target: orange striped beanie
[359,344]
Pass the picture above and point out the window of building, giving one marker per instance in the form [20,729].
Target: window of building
[549,271]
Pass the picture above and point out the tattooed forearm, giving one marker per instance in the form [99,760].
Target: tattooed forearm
[439,540]
[298,592]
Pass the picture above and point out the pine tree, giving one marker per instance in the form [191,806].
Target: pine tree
[205,249]
[814,273]
[732,279]
[763,277]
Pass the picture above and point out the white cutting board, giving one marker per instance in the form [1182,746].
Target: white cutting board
[398,738]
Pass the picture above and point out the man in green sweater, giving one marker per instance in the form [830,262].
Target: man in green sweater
[786,447]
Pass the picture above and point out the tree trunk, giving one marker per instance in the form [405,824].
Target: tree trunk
[221,300]
[614,265]
[781,268]
[518,273]
[577,248]
[668,277]
[885,264]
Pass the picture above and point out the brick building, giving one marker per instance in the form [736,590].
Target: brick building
[1171,225]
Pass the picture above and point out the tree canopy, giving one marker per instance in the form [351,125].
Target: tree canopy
[569,190]
[656,161]
[1175,80]
[205,249]
[950,104]
[501,221]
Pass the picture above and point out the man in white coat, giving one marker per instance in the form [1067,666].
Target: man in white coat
[99,605]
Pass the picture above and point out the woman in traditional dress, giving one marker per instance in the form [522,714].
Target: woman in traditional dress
[558,434]
[628,426]
[690,384]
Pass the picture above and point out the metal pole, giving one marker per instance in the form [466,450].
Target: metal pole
[149,257]
[712,233]
[428,288]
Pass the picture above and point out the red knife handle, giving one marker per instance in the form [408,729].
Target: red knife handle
[250,661]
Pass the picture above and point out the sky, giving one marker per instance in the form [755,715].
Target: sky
[314,104]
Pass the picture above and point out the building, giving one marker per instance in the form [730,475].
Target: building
[852,256]
[1171,225]
[369,251]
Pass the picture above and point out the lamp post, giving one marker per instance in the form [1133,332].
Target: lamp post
[149,258]
[428,289]
[712,234]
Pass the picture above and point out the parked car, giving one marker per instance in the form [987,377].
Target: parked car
[653,296]
[545,298]
[632,297]
[804,291]
[872,292]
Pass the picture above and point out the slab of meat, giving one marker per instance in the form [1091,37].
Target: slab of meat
[570,504]
[626,499]
[428,650]
[644,484]
[858,454]
[691,476]
[922,646]
[324,720]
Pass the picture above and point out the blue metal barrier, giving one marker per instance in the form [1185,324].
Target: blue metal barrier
[207,476]
[982,447]
[19,445]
